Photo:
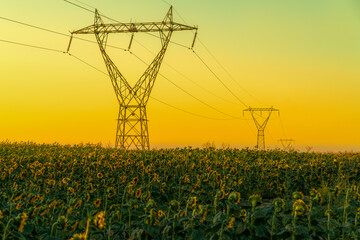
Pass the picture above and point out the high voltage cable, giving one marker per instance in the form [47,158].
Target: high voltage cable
[32,46]
[55,50]
[189,79]
[55,32]
[217,77]
[227,72]
[167,104]
[199,100]
[166,77]
[97,69]
[216,60]
[114,20]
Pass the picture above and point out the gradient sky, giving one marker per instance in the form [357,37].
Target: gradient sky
[302,57]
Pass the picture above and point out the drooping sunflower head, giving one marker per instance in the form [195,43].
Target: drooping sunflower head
[99,220]
[278,205]
[138,193]
[315,196]
[174,204]
[254,200]
[220,194]
[192,201]
[199,210]
[110,192]
[234,197]
[297,195]
[151,204]
[145,195]
[97,202]
[231,223]
[299,208]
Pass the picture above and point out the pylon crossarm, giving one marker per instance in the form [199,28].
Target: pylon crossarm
[132,126]
[134,28]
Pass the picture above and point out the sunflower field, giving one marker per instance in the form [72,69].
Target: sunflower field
[91,192]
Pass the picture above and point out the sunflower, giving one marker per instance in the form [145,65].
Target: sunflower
[24,217]
[204,216]
[299,208]
[69,210]
[135,181]
[18,206]
[100,220]
[138,193]
[243,214]
[97,202]
[78,204]
[74,226]
[81,236]
[231,223]
[161,214]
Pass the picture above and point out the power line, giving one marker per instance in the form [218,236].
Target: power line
[195,83]
[227,72]
[86,9]
[79,59]
[169,79]
[191,113]
[167,104]
[177,86]
[54,32]
[32,46]
[114,20]
[216,76]
[216,60]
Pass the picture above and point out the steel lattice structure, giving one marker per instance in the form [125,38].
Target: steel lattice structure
[260,125]
[287,144]
[132,126]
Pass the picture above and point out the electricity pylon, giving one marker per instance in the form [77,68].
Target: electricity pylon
[260,125]
[132,126]
[287,143]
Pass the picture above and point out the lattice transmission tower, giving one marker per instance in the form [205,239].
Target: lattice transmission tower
[287,144]
[260,122]
[132,126]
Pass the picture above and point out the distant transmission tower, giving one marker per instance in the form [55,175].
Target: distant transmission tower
[287,143]
[132,127]
[261,123]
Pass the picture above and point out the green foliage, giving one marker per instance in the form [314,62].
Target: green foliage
[90,192]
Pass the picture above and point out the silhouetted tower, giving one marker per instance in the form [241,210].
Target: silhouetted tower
[287,143]
[132,127]
[260,125]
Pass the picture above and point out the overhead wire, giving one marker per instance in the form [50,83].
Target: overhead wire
[208,105]
[156,99]
[32,46]
[228,73]
[99,70]
[216,60]
[54,32]
[219,79]
[72,55]
[183,90]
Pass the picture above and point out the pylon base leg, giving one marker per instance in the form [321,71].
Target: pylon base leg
[132,128]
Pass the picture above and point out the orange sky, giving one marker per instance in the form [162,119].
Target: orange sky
[301,57]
